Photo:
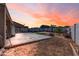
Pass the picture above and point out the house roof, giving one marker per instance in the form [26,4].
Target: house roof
[16,24]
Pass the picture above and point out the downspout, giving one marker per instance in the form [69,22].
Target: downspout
[75,33]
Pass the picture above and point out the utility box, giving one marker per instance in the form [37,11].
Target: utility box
[75,33]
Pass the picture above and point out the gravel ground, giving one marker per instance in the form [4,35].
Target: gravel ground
[49,47]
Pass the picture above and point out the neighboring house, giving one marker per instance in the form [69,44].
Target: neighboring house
[46,28]
[53,28]
[67,32]
[34,29]
[66,29]
[20,28]
[42,28]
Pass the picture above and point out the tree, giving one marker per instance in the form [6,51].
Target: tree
[59,29]
[66,26]
[44,26]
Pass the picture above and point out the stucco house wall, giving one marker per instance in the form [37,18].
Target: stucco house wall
[6,24]
[2,25]
[75,33]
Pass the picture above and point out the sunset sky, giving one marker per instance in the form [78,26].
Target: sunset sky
[36,14]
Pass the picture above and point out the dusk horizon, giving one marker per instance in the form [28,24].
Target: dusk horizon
[37,14]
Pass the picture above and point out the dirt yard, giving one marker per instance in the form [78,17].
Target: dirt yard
[49,47]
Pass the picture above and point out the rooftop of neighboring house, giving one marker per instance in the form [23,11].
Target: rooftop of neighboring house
[16,24]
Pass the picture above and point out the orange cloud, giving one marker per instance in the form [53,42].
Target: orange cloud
[42,16]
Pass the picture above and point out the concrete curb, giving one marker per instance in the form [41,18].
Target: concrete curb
[73,49]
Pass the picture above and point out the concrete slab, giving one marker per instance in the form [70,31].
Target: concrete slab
[21,38]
